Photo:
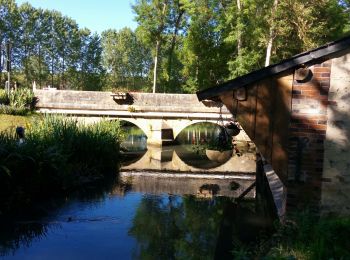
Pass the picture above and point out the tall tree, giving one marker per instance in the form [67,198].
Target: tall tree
[153,19]
[125,57]
[271,33]
[205,53]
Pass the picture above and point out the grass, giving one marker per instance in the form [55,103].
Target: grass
[58,156]
[10,122]
[304,236]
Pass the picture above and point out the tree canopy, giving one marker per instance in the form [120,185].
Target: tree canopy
[179,46]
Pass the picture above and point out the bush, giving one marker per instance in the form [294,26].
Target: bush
[58,155]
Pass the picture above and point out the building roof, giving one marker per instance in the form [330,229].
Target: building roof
[312,56]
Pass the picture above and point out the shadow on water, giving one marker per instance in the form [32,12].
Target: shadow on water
[34,224]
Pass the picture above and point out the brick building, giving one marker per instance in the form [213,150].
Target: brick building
[298,114]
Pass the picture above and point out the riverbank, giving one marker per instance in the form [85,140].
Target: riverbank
[58,156]
[302,236]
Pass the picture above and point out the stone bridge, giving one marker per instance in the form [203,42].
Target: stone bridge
[161,116]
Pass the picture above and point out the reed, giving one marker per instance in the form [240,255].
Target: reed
[58,155]
[17,102]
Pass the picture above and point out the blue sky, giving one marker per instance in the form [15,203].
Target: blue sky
[96,15]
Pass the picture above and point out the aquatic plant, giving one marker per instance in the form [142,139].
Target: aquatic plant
[58,155]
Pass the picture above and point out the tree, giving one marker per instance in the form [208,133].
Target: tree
[125,57]
[153,19]
[205,54]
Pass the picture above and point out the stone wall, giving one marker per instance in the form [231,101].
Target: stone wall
[336,163]
[135,102]
[319,147]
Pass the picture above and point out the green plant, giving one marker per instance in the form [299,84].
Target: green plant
[4,100]
[310,237]
[59,155]
[131,109]
[18,102]
[21,98]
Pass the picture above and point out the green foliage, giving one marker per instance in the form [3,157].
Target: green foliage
[10,110]
[22,98]
[3,97]
[58,155]
[50,49]
[126,58]
[197,44]
[308,237]
[304,236]
[17,102]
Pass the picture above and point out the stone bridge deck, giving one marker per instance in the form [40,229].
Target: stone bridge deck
[128,105]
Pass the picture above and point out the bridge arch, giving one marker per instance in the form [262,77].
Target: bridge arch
[137,122]
[178,128]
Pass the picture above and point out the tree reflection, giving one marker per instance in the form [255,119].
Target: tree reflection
[174,227]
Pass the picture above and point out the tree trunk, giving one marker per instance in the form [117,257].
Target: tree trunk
[271,34]
[157,49]
[1,61]
[239,32]
[63,68]
[40,74]
[155,67]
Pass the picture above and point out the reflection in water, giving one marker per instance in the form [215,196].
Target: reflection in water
[169,227]
[197,149]
[165,214]
[135,144]
[133,222]
[135,140]
[158,183]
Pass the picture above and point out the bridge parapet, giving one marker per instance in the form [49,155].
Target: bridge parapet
[137,102]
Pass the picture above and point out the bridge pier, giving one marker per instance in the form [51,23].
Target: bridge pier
[160,133]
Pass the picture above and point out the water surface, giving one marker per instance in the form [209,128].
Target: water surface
[176,205]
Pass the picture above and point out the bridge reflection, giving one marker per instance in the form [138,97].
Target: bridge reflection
[188,168]
[177,159]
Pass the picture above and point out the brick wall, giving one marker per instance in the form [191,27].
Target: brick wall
[307,130]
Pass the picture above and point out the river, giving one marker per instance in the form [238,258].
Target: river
[169,203]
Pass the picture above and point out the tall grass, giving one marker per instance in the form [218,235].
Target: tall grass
[58,155]
[303,236]
[310,237]
[17,102]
